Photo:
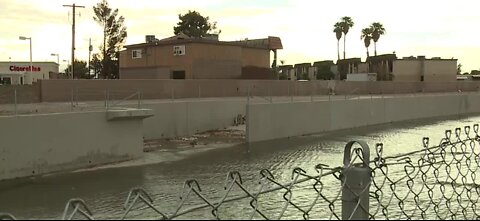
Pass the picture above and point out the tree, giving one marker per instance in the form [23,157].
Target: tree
[346,23]
[367,38]
[325,73]
[114,35]
[459,69]
[96,65]
[81,69]
[337,28]
[195,25]
[378,30]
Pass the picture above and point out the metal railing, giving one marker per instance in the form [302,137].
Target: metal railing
[122,102]
[436,182]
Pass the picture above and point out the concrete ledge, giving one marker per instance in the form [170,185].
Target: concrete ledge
[128,114]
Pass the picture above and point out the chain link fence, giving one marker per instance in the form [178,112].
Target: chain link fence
[436,182]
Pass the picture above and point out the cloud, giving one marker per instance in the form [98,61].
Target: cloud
[440,28]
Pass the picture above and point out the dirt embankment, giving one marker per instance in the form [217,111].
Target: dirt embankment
[231,135]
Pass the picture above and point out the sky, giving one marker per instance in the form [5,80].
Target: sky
[433,28]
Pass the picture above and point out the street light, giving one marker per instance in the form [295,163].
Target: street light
[70,69]
[58,57]
[58,61]
[31,66]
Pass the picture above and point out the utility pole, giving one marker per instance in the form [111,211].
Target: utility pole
[73,6]
[90,49]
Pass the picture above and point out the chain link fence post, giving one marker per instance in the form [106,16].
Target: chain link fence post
[15,97]
[71,99]
[139,97]
[356,180]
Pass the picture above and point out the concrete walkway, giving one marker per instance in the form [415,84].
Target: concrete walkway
[63,107]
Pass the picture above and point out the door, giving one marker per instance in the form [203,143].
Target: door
[178,75]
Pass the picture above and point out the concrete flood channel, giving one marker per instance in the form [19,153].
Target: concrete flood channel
[163,170]
[105,190]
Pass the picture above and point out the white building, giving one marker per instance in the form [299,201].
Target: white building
[362,77]
[18,73]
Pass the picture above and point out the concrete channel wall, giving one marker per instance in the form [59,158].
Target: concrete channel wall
[282,120]
[40,144]
[184,118]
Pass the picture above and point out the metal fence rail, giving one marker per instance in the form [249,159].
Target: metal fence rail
[436,182]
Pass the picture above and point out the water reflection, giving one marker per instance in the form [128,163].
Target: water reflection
[105,190]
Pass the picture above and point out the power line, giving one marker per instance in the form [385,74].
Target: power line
[73,6]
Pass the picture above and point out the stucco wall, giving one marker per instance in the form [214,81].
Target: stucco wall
[434,70]
[145,73]
[40,144]
[25,94]
[281,120]
[407,70]
[441,70]
[256,57]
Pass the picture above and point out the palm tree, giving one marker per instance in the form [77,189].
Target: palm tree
[378,30]
[367,38]
[346,24]
[337,28]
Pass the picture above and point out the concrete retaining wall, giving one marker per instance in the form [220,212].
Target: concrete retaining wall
[187,118]
[281,120]
[40,144]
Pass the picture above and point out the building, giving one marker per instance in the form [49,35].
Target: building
[349,66]
[362,77]
[18,73]
[303,71]
[382,65]
[419,68]
[388,67]
[325,70]
[183,57]
[286,72]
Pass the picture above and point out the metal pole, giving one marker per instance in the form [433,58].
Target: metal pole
[105,96]
[311,96]
[291,94]
[138,97]
[108,99]
[76,96]
[71,100]
[90,49]
[31,63]
[15,101]
[73,43]
[356,180]
[269,92]
[248,95]
[73,6]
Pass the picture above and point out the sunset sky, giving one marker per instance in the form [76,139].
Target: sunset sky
[432,28]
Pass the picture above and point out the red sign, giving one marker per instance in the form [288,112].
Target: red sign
[27,68]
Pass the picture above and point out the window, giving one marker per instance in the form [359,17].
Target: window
[5,81]
[179,50]
[136,53]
